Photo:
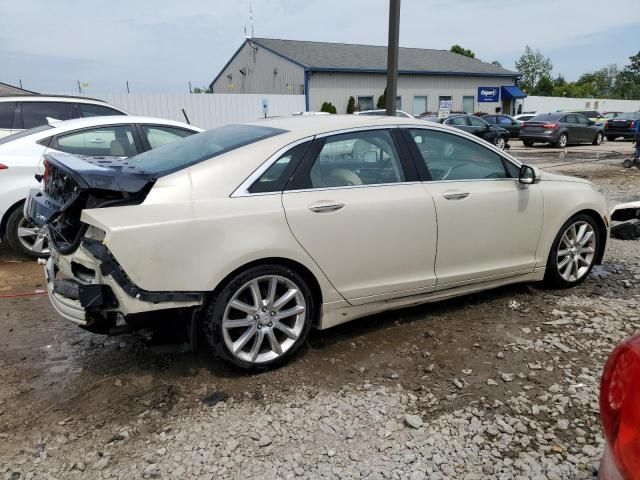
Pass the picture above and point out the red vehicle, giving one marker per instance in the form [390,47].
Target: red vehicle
[620,412]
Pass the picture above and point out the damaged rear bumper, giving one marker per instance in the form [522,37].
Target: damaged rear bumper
[89,283]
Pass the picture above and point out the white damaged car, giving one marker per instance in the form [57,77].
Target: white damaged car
[259,232]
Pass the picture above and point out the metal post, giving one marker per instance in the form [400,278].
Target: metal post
[392,56]
[128,87]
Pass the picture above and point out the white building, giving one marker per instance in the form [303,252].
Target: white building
[333,72]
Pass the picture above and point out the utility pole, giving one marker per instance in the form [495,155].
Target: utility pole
[128,87]
[79,88]
[20,80]
[190,89]
[392,56]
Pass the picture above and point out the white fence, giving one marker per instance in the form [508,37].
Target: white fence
[553,104]
[205,110]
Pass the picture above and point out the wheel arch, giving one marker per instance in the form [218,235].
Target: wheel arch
[7,214]
[602,231]
[301,269]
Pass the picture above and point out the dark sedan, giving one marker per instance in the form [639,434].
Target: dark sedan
[505,121]
[624,125]
[561,129]
[472,124]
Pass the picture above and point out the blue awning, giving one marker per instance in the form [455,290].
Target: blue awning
[512,92]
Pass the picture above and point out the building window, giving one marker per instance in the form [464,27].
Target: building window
[365,103]
[420,105]
[398,102]
[467,104]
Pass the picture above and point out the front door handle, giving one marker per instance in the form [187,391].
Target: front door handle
[325,206]
[455,195]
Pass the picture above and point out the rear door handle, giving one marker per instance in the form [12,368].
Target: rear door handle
[325,206]
[455,195]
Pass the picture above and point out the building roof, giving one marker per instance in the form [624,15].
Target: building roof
[6,89]
[324,56]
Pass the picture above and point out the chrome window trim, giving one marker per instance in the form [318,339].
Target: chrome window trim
[243,189]
[349,187]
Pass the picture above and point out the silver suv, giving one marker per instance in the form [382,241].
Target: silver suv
[21,112]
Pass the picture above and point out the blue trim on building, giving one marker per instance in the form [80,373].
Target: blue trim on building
[307,74]
[512,91]
[409,72]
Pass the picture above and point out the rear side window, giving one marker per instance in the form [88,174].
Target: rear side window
[202,146]
[279,173]
[457,121]
[159,136]
[90,110]
[7,110]
[105,141]
[35,114]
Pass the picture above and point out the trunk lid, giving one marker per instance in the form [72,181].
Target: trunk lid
[72,183]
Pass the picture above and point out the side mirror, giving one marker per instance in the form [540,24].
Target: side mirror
[529,175]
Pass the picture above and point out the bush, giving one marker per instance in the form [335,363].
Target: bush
[480,114]
[351,106]
[382,100]
[328,107]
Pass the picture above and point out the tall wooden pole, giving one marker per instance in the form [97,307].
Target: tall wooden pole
[392,56]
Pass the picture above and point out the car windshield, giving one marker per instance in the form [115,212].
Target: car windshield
[24,133]
[202,146]
[629,116]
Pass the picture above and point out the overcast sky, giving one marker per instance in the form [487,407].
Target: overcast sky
[161,45]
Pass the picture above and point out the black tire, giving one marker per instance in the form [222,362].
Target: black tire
[500,142]
[611,138]
[527,143]
[552,277]
[213,317]
[627,163]
[13,222]
[563,141]
[598,139]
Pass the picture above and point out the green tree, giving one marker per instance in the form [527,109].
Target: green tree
[496,63]
[544,86]
[627,84]
[202,90]
[462,51]
[382,99]
[328,107]
[351,105]
[533,66]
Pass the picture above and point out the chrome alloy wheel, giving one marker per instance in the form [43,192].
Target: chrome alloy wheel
[501,143]
[32,238]
[264,318]
[576,251]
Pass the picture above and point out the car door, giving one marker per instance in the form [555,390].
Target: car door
[488,223]
[481,129]
[573,128]
[358,208]
[587,131]
[7,112]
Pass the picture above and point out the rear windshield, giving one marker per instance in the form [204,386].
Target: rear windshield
[202,146]
[545,117]
[629,116]
[24,133]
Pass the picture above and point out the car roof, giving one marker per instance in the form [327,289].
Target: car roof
[53,98]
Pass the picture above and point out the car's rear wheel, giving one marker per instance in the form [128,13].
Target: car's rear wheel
[573,252]
[501,143]
[611,138]
[528,143]
[260,318]
[598,139]
[25,237]
[562,141]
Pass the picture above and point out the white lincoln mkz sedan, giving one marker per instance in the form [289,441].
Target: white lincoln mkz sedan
[259,232]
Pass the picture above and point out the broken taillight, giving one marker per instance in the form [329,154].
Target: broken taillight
[619,411]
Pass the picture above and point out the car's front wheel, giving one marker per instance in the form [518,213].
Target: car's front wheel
[25,237]
[598,139]
[260,318]
[573,252]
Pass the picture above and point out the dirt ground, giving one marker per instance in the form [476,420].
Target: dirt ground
[56,379]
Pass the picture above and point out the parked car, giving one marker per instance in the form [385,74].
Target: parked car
[399,113]
[257,232]
[523,117]
[22,112]
[624,125]
[610,115]
[507,122]
[619,414]
[477,126]
[560,129]
[593,115]
[21,153]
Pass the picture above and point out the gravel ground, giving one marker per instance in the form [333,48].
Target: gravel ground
[502,384]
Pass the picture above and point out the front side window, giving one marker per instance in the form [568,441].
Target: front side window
[158,136]
[7,110]
[116,141]
[91,110]
[200,147]
[450,157]
[477,122]
[275,178]
[359,158]
[35,114]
